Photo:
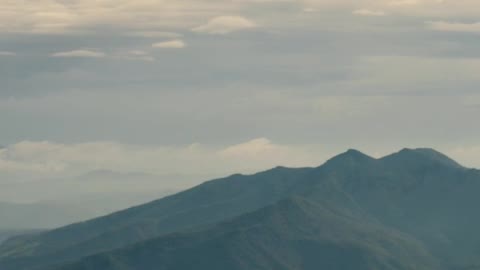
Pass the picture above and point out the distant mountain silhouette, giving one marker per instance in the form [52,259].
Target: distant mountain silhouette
[415,209]
[41,215]
[6,234]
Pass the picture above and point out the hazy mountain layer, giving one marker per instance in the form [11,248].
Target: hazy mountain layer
[6,234]
[51,203]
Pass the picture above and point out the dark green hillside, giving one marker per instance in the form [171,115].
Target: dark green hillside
[292,234]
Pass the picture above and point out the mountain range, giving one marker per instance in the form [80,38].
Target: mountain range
[415,209]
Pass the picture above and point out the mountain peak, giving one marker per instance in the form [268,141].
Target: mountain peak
[350,156]
[354,152]
[424,150]
[422,155]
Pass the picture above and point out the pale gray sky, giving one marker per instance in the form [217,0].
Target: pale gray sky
[213,87]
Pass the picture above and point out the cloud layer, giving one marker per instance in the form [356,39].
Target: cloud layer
[54,159]
[225,25]
[49,16]
[455,26]
[130,85]
[368,12]
[170,44]
[39,160]
[80,53]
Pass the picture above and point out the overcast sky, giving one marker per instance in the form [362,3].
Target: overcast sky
[215,86]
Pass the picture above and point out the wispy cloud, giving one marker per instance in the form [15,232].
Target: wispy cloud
[7,53]
[80,54]
[407,2]
[368,12]
[454,26]
[170,44]
[225,25]
[155,34]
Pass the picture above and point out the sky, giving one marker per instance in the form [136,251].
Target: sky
[209,88]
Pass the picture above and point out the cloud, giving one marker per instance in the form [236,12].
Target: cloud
[52,16]
[170,44]
[253,148]
[80,53]
[407,2]
[225,25]
[136,55]
[7,53]
[149,18]
[412,8]
[454,26]
[155,34]
[368,12]
[49,158]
